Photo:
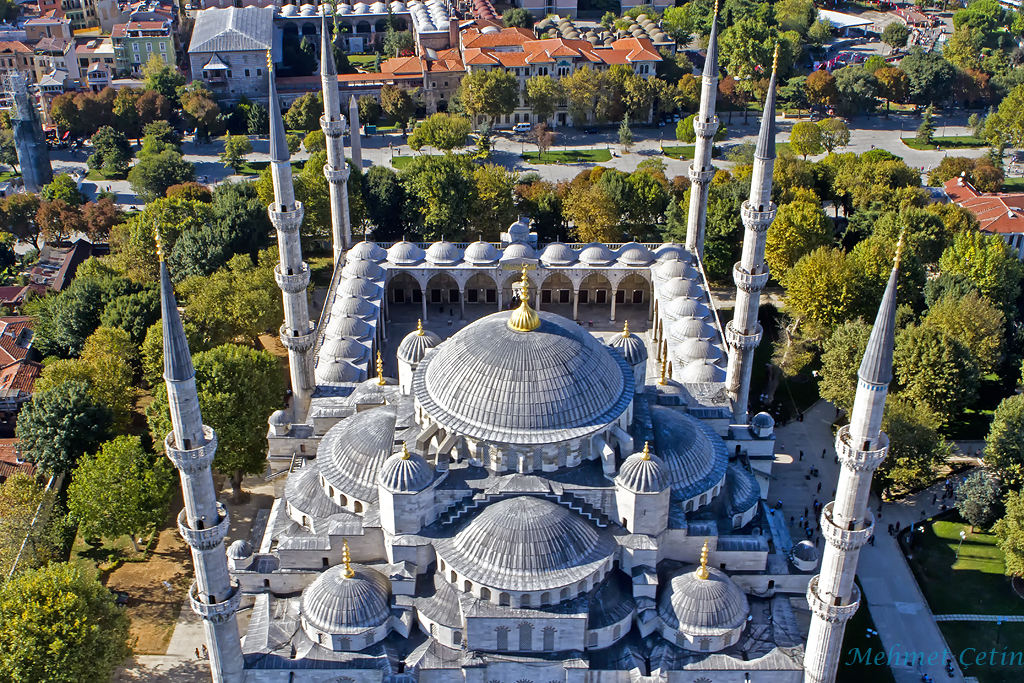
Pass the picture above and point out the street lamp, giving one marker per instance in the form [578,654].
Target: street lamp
[963,535]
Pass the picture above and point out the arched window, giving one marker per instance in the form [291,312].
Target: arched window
[330,490]
[368,639]
[549,639]
[592,640]
[525,637]
[433,630]
[525,600]
[582,588]
[457,638]
[359,506]
[703,500]
[455,578]
[467,586]
[680,639]
[545,598]
[502,637]
[564,595]
[485,594]
[616,632]
[343,499]
[345,643]
[442,565]
[503,599]
[689,506]
[705,644]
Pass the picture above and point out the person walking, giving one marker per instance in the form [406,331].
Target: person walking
[819,487]
[801,455]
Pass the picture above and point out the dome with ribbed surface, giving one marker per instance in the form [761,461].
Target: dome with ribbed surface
[347,326]
[596,254]
[526,543]
[630,346]
[334,370]
[406,473]
[698,349]
[352,451]
[518,250]
[344,347]
[416,344]
[338,604]
[805,550]
[643,473]
[443,253]
[671,251]
[480,254]
[678,286]
[696,457]
[353,305]
[358,286]
[635,254]
[367,251]
[691,328]
[674,268]
[303,492]
[557,254]
[701,372]
[362,268]
[519,231]
[239,550]
[684,307]
[405,254]
[552,384]
[279,417]
[703,607]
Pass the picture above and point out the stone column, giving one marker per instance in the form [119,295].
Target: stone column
[615,293]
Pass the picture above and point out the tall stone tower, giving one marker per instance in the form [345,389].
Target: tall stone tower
[846,522]
[705,126]
[33,153]
[204,522]
[743,333]
[354,139]
[333,125]
[291,273]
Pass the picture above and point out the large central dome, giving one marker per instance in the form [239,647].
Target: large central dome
[493,383]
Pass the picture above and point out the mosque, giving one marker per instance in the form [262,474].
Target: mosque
[526,502]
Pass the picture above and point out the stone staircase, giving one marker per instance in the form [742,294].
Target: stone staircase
[566,499]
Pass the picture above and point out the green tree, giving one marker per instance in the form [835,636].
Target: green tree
[151,177]
[893,85]
[517,17]
[369,110]
[542,95]
[305,112]
[895,34]
[805,138]
[625,135]
[31,526]
[440,131]
[235,149]
[678,23]
[1004,445]
[493,207]
[989,263]
[63,187]
[200,109]
[820,32]
[65,114]
[258,120]
[488,93]
[963,49]
[65,321]
[59,425]
[1011,117]
[112,151]
[398,104]
[593,212]
[19,217]
[799,228]
[163,78]
[648,201]
[834,134]
[397,43]
[315,141]
[822,288]
[930,75]
[935,369]
[134,245]
[238,389]
[440,192]
[134,313]
[857,89]
[916,449]
[926,131]
[840,361]
[159,136]
[8,150]
[121,490]
[975,322]
[385,202]
[1010,533]
[978,499]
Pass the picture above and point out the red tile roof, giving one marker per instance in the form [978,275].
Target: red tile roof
[639,49]
[13,46]
[9,460]
[508,37]
[15,338]
[996,212]
[20,375]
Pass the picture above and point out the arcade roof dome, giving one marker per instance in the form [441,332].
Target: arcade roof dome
[405,253]
[443,253]
[557,254]
[367,251]
[481,253]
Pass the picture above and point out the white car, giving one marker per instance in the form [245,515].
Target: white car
[522,128]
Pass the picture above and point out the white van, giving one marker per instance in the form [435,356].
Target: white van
[522,128]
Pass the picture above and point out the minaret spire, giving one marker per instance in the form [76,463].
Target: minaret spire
[333,124]
[291,273]
[204,522]
[743,333]
[847,523]
[705,126]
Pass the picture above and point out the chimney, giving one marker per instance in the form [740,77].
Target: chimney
[453,31]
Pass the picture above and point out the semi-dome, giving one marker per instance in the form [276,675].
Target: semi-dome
[239,550]
[352,451]
[305,494]
[674,268]
[493,383]
[337,603]
[635,254]
[347,326]
[443,253]
[695,455]
[684,307]
[368,251]
[701,372]
[526,544]
[630,346]
[480,254]
[596,254]
[344,347]
[671,251]
[643,473]
[557,254]
[698,606]
[405,254]
[357,286]
[335,370]
[677,287]
[353,305]
[362,268]
[691,328]
[518,250]
[416,344]
[406,472]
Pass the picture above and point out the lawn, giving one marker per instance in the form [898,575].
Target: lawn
[685,151]
[255,167]
[99,175]
[953,142]
[975,422]
[9,175]
[590,156]
[365,62]
[980,588]
[857,638]
[1013,184]
[401,162]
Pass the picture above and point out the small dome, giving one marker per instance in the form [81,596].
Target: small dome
[691,328]
[762,425]
[804,550]
[406,473]
[643,473]
[352,451]
[367,251]
[353,305]
[684,307]
[480,254]
[667,270]
[336,603]
[701,372]
[362,268]
[557,254]
[443,253]
[334,371]
[678,286]
[698,349]
[711,606]
[630,346]
[304,493]
[239,550]
[518,250]
[671,251]
[519,231]
[279,417]
[596,254]
[635,254]
[416,344]
[360,287]
[347,326]
[343,347]
[405,254]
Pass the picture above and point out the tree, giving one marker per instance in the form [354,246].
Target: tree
[126,113]
[162,77]
[201,110]
[543,137]
[112,151]
[916,449]
[677,22]
[542,95]
[8,150]
[820,32]
[1009,531]
[931,77]
[893,85]
[305,112]
[746,47]
[121,490]
[488,93]
[64,112]
[821,88]
[385,202]
[315,141]
[834,134]
[153,107]
[822,288]
[593,213]
[648,200]
[926,131]
[517,17]
[64,188]
[369,110]
[989,263]
[151,177]
[19,216]
[1004,445]
[397,104]
[134,313]
[398,43]
[799,228]
[440,131]
[935,369]
[493,206]
[258,121]
[686,133]
[59,425]
[625,135]
[440,191]
[581,89]
[978,499]
[31,527]
[238,389]
[895,35]
[840,361]
[59,220]
[805,138]
[857,89]
[159,136]
[235,149]
[1011,117]
[975,322]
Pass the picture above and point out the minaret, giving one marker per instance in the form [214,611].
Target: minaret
[705,126]
[743,333]
[333,125]
[204,522]
[291,273]
[354,139]
[847,523]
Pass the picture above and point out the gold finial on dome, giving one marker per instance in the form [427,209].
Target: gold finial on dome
[348,573]
[159,244]
[702,573]
[419,327]
[716,8]
[270,63]
[625,329]
[899,249]
[647,451]
[524,318]
[775,59]
[663,381]
[405,452]
[380,370]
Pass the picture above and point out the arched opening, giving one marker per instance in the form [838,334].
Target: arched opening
[309,29]
[545,599]
[345,27]
[290,29]
[444,294]
[525,637]
[504,599]
[582,588]
[481,289]
[502,637]
[594,300]
[524,601]
[564,594]
[549,639]
[358,507]
[703,500]
[343,499]
[556,294]
[634,292]
[380,27]
[592,639]
[455,578]
[442,565]
[363,27]
[509,299]
[457,638]
[467,586]
[404,292]
[485,594]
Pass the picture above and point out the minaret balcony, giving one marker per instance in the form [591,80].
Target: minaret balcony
[192,460]
[336,175]
[208,538]
[750,282]
[297,342]
[286,221]
[759,221]
[293,283]
[831,613]
[701,177]
[216,612]
[333,129]
[842,538]
[737,340]
[856,459]
[705,130]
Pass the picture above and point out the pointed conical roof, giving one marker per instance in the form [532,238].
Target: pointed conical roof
[177,359]
[766,138]
[711,61]
[876,367]
[327,67]
[278,141]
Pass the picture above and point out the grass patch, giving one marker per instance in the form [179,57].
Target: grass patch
[952,142]
[255,167]
[321,268]
[365,62]
[679,152]
[401,162]
[98,174]
[974,424]
[9,175]
[592,156]
[856,637]
[1013,185]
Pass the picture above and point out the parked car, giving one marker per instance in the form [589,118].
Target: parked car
[522,128]
[590,131]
